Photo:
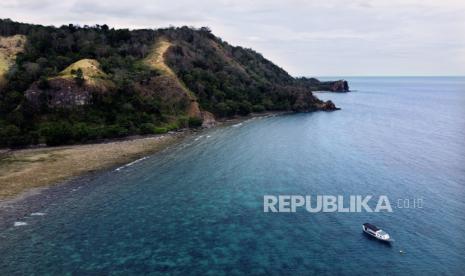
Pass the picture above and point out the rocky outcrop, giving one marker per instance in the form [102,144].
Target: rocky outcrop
[338,86]
[66,90]
[303,100]
[328,106]
[208,119]
[331,86]
[62,93]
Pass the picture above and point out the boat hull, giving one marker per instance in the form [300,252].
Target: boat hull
[373,234]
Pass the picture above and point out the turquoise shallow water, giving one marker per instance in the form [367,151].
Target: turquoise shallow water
[198,208]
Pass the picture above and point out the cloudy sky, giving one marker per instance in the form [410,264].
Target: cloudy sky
[310,38]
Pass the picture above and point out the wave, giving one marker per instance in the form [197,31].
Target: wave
[38,214]
[130,164]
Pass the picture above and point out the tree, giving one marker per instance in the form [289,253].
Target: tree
[43,83]
[79,78]
[57,133]
[225,80]
[7,134]
[147,128]
[195,122]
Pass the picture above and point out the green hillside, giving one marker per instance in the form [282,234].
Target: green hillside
[73,84]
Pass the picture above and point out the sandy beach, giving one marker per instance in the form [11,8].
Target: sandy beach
[25,170]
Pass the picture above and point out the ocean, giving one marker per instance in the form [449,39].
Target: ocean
[197,207]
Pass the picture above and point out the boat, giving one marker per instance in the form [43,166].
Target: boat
[374,231]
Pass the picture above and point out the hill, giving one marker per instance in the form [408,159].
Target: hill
[73,84]
[90,70]
[230,80]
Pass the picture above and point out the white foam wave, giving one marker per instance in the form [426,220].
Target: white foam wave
[38,214]
[20,223]
[132,163]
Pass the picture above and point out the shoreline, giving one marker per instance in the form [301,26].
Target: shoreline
[29,199]
[28,172]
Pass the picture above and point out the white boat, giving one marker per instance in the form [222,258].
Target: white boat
[374,231]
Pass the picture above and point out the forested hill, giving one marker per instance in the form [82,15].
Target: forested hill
[76,84]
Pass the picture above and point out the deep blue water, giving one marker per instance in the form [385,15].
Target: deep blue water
[198,208]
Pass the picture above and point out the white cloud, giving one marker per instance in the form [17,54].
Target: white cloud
[332,37]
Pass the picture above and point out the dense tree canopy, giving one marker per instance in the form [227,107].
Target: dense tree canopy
[226,81]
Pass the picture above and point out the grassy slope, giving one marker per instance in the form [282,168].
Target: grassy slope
[156,57]
[91,71]
[156,60]
[9,47]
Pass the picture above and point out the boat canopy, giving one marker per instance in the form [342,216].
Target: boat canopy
[382,233]
[371,227]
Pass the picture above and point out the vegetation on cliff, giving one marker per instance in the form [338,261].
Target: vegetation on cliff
[316,85]
[75,84]
[9,47]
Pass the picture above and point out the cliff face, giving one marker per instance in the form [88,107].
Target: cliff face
[338,86]
[60,93]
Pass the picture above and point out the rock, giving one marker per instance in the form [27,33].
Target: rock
[64,93]
[328,106]
[208,119]
[194,110]
[339,86]
[316,85]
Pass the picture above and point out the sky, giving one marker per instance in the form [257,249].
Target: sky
[306,38]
